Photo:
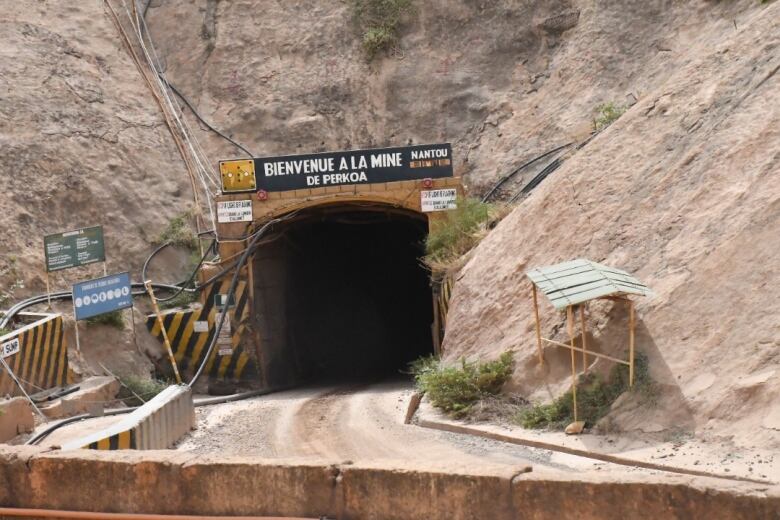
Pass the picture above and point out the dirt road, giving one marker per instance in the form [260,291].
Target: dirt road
[354,423]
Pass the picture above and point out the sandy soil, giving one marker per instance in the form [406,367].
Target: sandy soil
[358,424]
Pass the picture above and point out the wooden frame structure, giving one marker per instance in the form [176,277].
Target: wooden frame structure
[569,286]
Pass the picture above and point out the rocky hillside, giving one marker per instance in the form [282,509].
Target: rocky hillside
[82,142]
[683,191]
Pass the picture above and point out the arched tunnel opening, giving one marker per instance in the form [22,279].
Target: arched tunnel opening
[341,295]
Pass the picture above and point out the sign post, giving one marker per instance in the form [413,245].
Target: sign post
[71,249]
[100,296]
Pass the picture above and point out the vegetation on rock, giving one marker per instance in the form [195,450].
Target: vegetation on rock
[378,22]
[112,319]
[456,389]
[178,232]
[134,387]
[458,233]
[607,114]
[594,397]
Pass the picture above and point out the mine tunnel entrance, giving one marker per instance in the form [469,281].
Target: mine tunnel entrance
[341,295]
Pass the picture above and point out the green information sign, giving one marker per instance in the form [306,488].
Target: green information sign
[74,248]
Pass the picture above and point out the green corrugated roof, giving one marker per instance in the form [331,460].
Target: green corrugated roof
[570,283]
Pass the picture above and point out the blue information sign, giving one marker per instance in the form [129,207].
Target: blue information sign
[102,295]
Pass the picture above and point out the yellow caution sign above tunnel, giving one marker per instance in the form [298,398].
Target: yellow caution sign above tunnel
[238,176]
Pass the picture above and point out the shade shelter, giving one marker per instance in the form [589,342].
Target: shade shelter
[569,286]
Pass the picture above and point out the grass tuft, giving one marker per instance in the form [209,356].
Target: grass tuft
[178,232]
[112,319]
[379,22]
[145,388]
[607,114]
[456,389]
[181,300]
[594,397]
[459,231]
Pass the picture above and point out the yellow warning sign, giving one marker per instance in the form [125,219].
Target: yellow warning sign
[238,175]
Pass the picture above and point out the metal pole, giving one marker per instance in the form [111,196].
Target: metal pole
[148,284]
[538,326]
[13,376]
[75,323]
[631,326]
[48,290]
[570,327]
[584,339]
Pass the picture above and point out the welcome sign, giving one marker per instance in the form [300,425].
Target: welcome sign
[295,172]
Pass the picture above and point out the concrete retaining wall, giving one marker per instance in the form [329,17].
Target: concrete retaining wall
[156,425]
[169,483]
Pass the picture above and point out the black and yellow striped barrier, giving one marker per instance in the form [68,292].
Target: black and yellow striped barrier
[445,291]
[156,425]
[119,441]
[41,361]
[189,346]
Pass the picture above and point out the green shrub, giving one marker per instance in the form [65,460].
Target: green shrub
[145,388]
[456,389]
[112,319]
[378,22]
[607,114]
[594,397]
[178,232]
[457,233]
[183,299]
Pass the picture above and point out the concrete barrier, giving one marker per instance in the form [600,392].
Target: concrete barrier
[156,425]
[40,360]
[183,483]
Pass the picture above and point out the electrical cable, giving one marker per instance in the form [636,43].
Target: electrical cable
[189,280]
[519,168]
[200,118]
[233,284]
[208,401]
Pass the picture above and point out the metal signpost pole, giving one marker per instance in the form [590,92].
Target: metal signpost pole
[75,321]
[48,290]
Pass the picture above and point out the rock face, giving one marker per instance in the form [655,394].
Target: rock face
[82,142]
[684,192]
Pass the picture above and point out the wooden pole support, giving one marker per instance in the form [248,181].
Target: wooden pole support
[538,326]
[584,339]
[631,327]
[156,308]
[570,327]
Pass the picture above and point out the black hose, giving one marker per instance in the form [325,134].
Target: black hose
[200,118]
[66,295]
[233,284]
[38,437]
[183,285]
[521,167]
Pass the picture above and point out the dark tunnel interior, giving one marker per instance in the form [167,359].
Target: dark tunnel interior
[358,303]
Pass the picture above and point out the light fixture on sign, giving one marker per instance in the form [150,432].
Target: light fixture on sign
[428,183]
[262,195]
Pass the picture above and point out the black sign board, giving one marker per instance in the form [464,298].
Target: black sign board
[295,172]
